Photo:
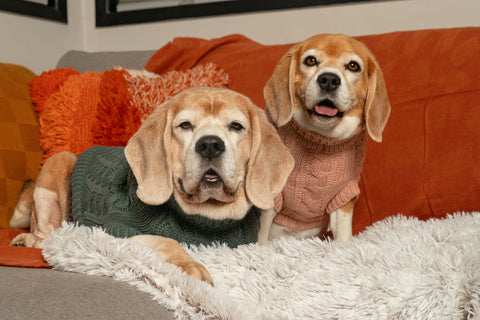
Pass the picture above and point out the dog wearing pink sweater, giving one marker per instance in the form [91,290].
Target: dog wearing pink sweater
[325,95]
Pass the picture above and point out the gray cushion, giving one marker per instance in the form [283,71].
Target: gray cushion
[100,61]
[27,293]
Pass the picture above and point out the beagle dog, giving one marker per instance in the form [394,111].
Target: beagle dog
[324,95]
[210,153]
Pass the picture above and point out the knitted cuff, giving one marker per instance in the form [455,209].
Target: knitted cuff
[351,191]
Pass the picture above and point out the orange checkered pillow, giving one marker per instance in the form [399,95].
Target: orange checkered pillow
[77,111]
[20,152]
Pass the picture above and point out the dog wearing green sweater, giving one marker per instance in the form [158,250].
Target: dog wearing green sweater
[202,168]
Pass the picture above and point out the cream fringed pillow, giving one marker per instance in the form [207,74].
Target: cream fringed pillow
[77,111]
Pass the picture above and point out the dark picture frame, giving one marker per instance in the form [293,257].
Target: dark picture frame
[107,15]
[54,9]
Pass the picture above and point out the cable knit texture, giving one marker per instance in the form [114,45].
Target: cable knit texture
[104,194]
[325,176]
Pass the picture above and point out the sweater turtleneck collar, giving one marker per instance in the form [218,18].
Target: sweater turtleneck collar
[317,142]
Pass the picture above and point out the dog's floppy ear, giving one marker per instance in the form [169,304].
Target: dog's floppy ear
[377,105]
[279,91]
[269,165]
[148,155]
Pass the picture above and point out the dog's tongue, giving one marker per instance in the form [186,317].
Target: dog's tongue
[326,110]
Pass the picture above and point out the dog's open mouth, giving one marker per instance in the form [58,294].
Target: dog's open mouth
[211,176]
[210,179]
[326,108]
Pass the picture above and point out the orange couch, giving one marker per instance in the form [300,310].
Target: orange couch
[428,163]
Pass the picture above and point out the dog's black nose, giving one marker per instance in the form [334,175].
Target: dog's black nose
[210,147]
[329,81]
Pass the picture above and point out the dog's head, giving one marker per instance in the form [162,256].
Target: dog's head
[329,84]
[213,150]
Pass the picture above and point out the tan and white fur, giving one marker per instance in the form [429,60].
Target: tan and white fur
[212,149]
[329,84]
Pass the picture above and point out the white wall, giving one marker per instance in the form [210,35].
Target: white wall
[38,44]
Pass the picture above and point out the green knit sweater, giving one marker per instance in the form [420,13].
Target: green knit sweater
[104,194]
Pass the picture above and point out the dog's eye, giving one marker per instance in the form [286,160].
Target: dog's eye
[353,66]
[310,61]
[235,126]
[186,125]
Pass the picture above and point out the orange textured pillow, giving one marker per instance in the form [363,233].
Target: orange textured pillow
[77,111]
[20,152]
[47,84]
[68,115]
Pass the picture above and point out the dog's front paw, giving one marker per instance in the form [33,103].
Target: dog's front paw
[196,270]
[26,240]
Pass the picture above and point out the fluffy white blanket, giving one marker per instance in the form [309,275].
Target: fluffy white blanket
[399,268]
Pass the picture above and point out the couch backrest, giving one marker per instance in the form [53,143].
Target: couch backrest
[101,61]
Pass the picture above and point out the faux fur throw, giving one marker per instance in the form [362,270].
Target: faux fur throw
[399,268]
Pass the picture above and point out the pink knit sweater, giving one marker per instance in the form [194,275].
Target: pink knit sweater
[325,176]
